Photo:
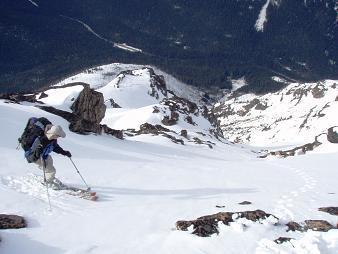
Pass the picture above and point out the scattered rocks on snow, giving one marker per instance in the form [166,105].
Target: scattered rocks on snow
[330,210]
[245,203]
[208,225]
[12,221]
[281,240]
[220,206]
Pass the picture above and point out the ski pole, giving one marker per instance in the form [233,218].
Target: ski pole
[45,180]
[88,188]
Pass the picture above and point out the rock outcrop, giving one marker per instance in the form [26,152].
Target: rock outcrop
[208,225]
[330,210]
[332,136]
[90,109]
[11,221]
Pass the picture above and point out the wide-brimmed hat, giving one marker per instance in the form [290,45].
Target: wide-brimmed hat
[55,132]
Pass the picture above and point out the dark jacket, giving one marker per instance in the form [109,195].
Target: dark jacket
[42,147]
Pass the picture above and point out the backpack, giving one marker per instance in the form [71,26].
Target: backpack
[35,127]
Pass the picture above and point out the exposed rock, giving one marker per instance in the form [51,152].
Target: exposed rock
[318,91]
[332,136]
[173,139]
[336,98]
[255,103]
[11,221]
[184,133]
[82,126]
[43,95]
[220,206]
[148,128]
[116,133]
[208,225]
[318,225]
[90,108]
[157,83]
[245,203]
[294,226]
[181,105]
[189,120]
[255,215]
[156,110]
[70,117]
[198,141]
[17,98]
[113,103]
[297,150]
[330,210]
[281,240]
[172,120]
[89,105]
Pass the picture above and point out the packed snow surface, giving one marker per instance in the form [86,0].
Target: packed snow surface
[146,183]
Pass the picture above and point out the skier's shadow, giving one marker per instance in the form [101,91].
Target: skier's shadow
[108,193]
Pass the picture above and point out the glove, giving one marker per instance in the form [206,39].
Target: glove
[68,154]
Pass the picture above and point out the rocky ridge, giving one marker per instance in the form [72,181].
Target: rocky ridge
[298,112]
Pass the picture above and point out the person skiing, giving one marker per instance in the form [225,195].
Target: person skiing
[39,153]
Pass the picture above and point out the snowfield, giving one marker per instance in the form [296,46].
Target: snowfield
[146,183]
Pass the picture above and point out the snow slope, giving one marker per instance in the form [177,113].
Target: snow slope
[293,115]
[102,75]
[146,184]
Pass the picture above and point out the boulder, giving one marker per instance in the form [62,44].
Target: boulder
[294,226]
[90,108]
[318,91]
[184,133]
[318,225]
[332,136]
[245,203]
[330,210]
[281,240]
[11,221]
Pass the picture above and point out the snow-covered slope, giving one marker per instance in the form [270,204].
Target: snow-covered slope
[146,185]
[136,95]
[295,114]
[102,75]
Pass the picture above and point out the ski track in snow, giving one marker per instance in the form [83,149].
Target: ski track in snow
[284,206]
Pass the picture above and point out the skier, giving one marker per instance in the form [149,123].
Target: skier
[40,150]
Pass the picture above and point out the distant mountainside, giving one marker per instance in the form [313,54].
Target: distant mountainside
[295,114]
[202,43]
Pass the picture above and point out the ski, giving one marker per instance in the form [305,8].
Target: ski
[81,193]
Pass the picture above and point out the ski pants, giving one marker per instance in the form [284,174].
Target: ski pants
[49,168]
